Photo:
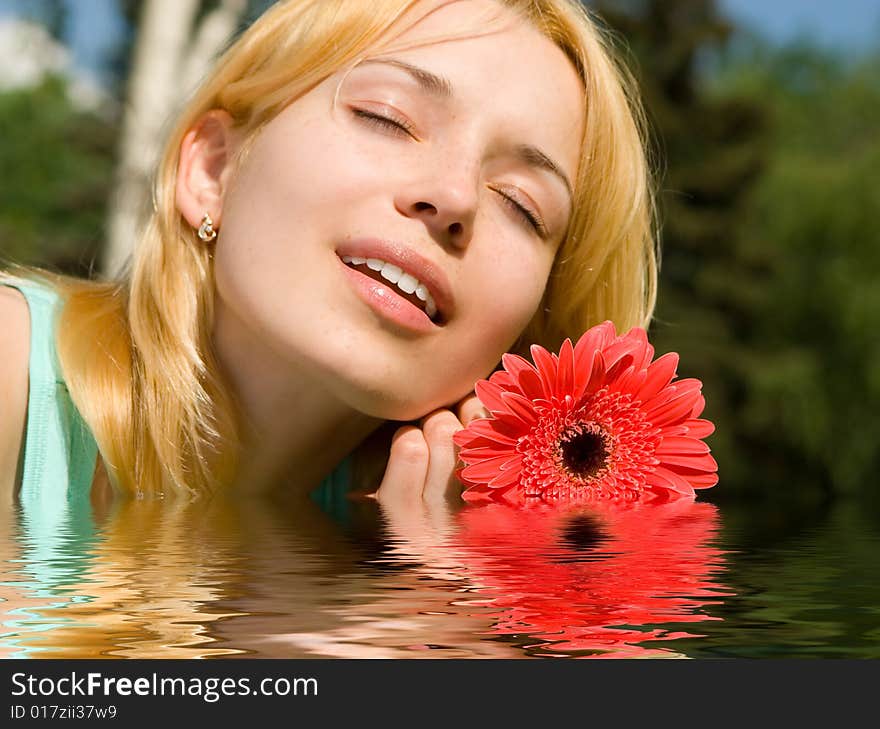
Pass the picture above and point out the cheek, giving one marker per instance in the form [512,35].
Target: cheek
[503,302]
[277,215]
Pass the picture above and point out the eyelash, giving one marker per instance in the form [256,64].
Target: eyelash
[532,219]
[388,123]
[384,121]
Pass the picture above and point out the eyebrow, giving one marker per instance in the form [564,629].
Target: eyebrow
[442,88]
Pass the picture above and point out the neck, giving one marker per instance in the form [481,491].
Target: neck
[295,430]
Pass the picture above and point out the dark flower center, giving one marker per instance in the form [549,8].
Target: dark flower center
[584,453]
[583,532]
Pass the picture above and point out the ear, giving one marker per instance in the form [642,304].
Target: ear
[205,166]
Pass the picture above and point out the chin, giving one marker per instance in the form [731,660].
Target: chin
[391,407]
[390,403]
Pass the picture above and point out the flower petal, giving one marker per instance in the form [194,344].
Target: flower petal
[565,374]
[474,455]
[669,480]
[700,462]
[489,393]
[676,409]
[702,480]
[643,352]
[497,430]
[619,383]
[524,374]
[519,407]
[507,495]
[502,378]
[513,363]
[631,380]
[476,495]
[593,340]
[660,374]
[618,352]
[594,380]
[681,445]
[506,477]
[687,384]
[616,371]
[487,470]
[464,438]
[594,383]
[546,367]
[698,428]
[678,429]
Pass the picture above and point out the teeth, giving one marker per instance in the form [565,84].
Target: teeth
[394,274]
[391,272]
[407,283]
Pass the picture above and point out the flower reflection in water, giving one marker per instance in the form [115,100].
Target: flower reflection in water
[227,578]
[595,581]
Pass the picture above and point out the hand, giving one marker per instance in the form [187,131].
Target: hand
[419,486]
[423,459]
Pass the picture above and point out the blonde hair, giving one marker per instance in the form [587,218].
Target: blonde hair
[136,352]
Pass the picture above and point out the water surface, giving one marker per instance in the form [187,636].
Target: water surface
[338,577]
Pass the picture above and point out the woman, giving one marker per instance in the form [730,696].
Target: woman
[358,212]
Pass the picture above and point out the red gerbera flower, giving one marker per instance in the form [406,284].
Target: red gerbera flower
[600,420]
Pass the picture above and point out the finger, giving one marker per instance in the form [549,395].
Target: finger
[438,428]
[470,408]
[407,466]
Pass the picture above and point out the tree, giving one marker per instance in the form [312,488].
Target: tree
[812,380]
[176,42]
[56,178]
[770,255]
[56,157]
[714,147]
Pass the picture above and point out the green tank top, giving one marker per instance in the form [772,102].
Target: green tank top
[59,450]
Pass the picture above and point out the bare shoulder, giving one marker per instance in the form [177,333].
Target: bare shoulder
[14,355]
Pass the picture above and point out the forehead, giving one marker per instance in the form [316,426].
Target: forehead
[503,72]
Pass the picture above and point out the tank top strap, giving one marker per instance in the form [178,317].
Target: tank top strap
[59,450]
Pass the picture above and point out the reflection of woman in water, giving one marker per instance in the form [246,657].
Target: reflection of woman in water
[241,577]
[486,156]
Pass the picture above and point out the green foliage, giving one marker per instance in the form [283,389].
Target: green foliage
[769,280]
[812,382]
[57,165]
[713,148]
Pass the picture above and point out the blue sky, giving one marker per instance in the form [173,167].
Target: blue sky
[847,24]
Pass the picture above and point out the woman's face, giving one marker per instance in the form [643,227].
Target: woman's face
[437,197]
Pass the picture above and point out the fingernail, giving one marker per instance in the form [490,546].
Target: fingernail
[483,413]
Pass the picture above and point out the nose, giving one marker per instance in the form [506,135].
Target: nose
[446,204]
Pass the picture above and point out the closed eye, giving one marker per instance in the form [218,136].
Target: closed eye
[532,218]
[396,126]
[384,121]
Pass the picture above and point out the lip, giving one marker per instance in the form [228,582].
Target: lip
[387,303]
[428,273]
